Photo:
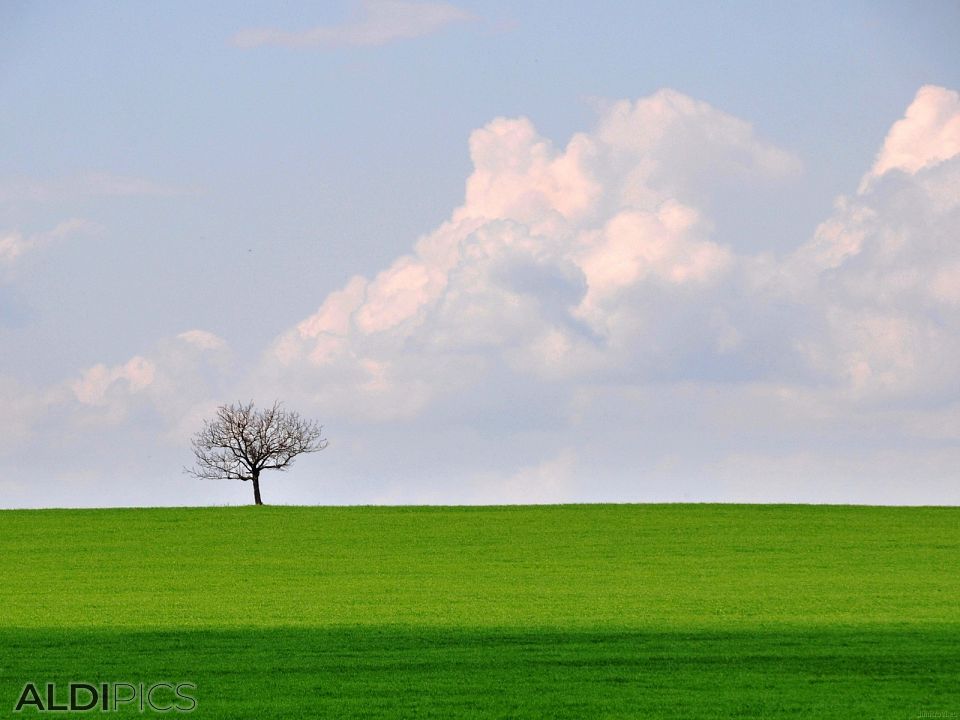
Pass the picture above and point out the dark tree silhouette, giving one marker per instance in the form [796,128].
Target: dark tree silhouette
[242,441]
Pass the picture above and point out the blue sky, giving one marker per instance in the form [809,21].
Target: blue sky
[185,184]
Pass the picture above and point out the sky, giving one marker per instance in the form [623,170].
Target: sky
[504,252]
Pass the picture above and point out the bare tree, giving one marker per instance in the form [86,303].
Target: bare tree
[242,441]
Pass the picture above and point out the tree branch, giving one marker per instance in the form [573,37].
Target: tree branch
[241,441]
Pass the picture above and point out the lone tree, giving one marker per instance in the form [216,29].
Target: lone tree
[242,441]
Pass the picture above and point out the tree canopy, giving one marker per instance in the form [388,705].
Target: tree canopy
[242,441]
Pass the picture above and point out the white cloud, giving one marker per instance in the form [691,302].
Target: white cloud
[575,330]
[177,380]
[13,245]
[377,23]
[928,134]
[93,385]
[203,339]
[883,271]
[686,147]
[551,267]
[594,265]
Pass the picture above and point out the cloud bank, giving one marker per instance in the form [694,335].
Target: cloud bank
[573,273]
[378,22]
[584,264]
[575,331]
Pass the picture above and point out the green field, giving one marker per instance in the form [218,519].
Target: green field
[577,611]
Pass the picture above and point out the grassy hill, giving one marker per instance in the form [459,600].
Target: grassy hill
[552,611]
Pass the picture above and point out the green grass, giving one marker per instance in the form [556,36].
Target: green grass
[651,611]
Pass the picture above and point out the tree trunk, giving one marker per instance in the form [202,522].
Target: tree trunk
[256,488]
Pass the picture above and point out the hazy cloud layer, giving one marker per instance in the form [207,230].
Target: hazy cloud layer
[376,22]
[19,190]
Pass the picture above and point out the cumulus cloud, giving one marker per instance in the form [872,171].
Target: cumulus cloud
[115,434]
[594,265]
[561,263]
[378,22]
[928,134]
[575,330]
[883,271]
[169,387]
[92,387]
